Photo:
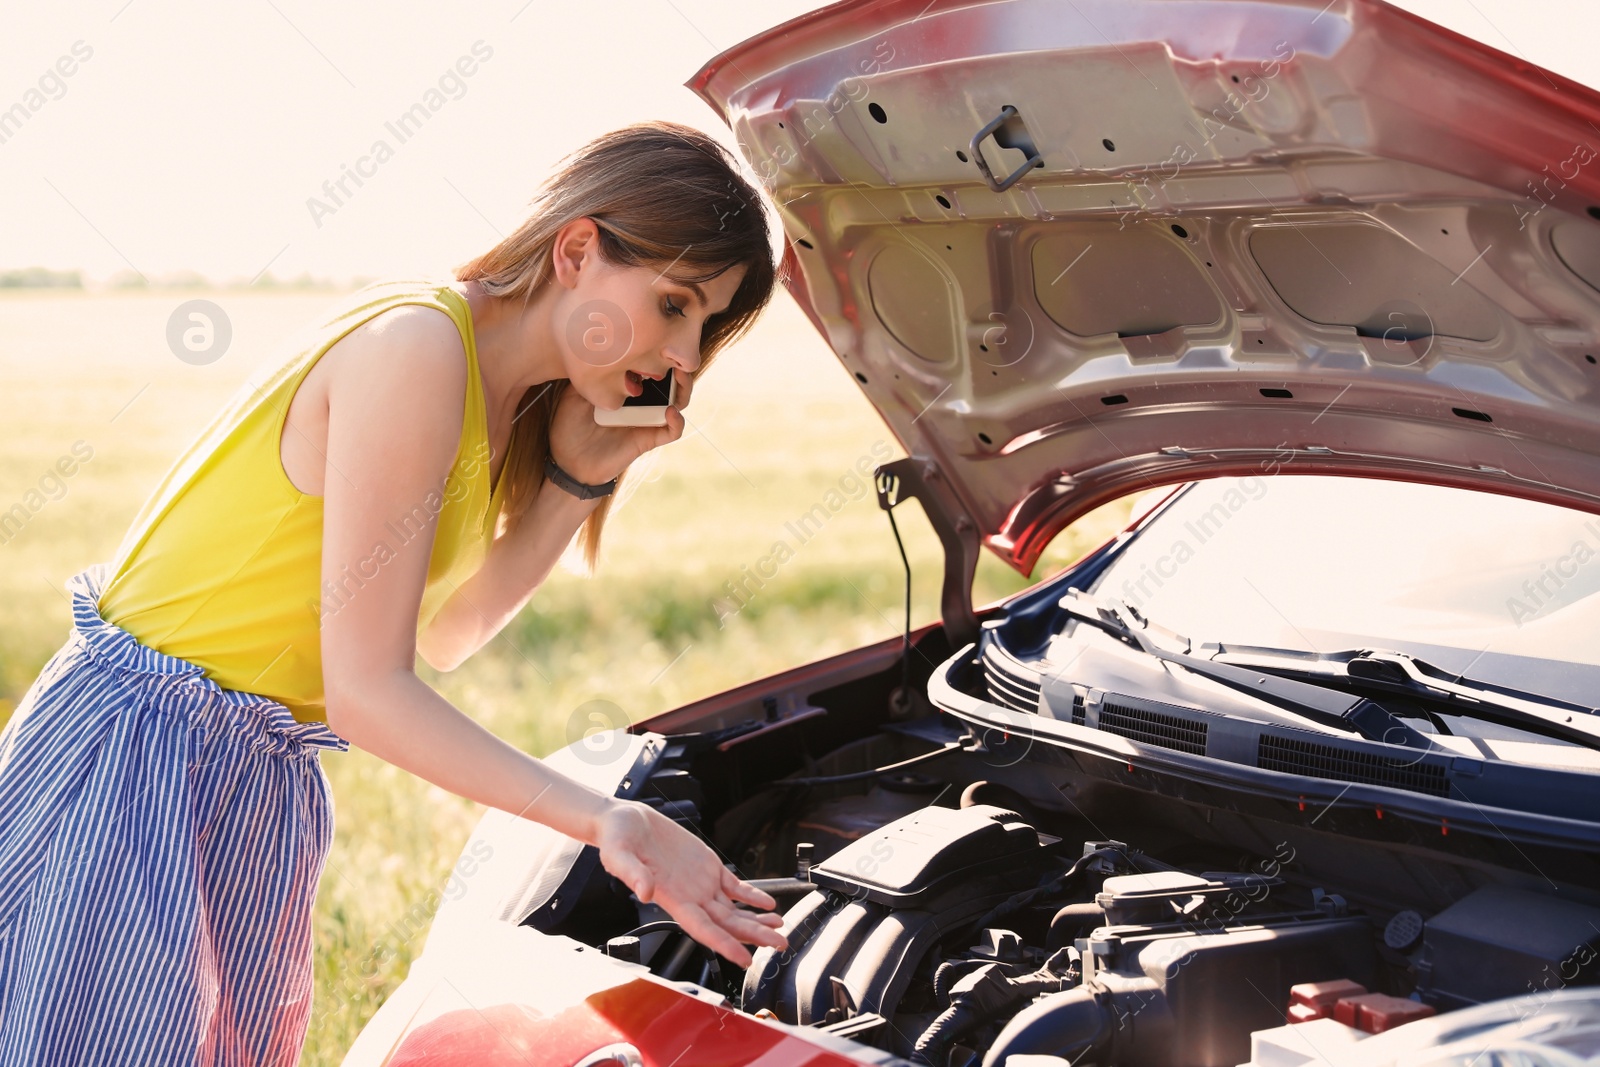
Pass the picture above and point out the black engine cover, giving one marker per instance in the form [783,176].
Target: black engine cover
[916,857]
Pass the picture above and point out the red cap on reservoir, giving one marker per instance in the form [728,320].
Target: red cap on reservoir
[1315,1000]
[1377,1012]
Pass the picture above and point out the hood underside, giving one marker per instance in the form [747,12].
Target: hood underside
[1075,249]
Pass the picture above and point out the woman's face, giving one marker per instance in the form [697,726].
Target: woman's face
[617,325]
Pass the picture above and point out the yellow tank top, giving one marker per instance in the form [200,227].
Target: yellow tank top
[223,565]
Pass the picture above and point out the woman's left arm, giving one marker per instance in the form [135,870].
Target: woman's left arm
[516,564]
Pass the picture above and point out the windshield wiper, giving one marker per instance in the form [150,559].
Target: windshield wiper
[1328,707]
[1406,675]
[1239,665]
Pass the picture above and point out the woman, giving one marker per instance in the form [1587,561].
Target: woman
[399,488]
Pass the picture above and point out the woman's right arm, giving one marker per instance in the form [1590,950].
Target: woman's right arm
[396,396]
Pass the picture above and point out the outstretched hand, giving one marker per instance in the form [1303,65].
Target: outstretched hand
[660,861]
[593,453]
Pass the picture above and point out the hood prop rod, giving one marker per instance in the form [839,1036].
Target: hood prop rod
[905,654]
[919,476]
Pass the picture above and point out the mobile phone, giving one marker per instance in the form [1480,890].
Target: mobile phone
[649,408]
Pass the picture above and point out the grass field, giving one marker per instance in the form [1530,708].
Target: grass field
[642,632]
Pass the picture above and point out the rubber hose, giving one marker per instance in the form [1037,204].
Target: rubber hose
[970,1008]
[949,973]
[1072,922]
[944,1032]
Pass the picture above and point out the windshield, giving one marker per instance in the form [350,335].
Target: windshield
[1489,586]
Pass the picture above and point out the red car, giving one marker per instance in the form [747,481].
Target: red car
[1304,767]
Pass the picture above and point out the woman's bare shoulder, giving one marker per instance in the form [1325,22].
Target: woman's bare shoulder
[414,349]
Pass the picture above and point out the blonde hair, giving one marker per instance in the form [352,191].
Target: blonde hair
[661,194]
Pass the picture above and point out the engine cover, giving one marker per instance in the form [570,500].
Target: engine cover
[916,857]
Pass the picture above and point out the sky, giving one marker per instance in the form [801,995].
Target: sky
[193,136]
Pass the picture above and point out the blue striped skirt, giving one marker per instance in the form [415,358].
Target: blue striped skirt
[161,840]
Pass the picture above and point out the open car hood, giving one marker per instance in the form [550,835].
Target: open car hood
[1075,249]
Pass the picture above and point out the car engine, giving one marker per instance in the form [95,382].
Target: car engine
[955,930]
[961,936]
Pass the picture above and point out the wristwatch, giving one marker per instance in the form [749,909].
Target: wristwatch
[581,490]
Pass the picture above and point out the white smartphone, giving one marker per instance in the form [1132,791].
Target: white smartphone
[649,408]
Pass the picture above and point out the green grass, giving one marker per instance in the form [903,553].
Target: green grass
[645,632]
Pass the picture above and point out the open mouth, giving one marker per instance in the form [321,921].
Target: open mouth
[635,382]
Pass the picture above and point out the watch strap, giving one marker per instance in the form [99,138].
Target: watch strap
[581,490]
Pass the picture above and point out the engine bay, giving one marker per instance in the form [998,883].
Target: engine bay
[952,901]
